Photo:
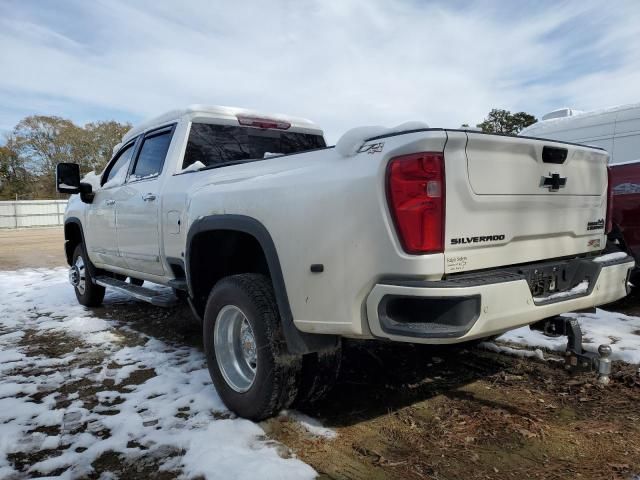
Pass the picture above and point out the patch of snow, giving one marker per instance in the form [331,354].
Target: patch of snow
[621,332]
[271,154]
[311,425]
[115,149]
[349,144]
[194,167]
[117,180]
[222,113]
[93,179]
[514,352]
[609,257]
[582,287]
[351,141]
[133,177]
[172,415]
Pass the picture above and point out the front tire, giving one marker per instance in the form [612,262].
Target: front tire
[246,352]
[87,292]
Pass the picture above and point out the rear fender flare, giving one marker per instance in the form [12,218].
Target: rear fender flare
[297,342]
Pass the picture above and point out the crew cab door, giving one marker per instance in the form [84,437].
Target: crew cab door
[138,206]
[100,235]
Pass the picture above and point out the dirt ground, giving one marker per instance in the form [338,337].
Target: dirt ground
[414,412]
[405,411]
[31,247]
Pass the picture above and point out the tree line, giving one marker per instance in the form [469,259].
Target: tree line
[38,143]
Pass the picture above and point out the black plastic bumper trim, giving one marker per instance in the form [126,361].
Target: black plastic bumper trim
[581,268]
[428,317]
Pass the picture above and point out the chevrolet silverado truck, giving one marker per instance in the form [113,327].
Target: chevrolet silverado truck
[283,246]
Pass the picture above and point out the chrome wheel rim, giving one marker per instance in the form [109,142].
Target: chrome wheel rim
[78,275]
[236,349]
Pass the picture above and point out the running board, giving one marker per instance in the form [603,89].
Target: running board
[181,284]
[160,299]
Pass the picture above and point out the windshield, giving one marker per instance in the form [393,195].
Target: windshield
[220,144]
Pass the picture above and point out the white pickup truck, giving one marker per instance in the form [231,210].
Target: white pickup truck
[282,245]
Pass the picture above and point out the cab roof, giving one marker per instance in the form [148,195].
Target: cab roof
[226,114]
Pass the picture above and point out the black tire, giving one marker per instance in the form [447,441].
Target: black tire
[275,384]
[136,281]
[93,294]
[318,377]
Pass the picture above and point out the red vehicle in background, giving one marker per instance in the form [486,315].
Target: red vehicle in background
[625,185]
[617,130]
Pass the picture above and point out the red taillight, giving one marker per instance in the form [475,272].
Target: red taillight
[609,217]
[416,196]
[262,122]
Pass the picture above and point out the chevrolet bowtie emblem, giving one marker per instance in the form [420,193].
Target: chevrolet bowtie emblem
[553,182]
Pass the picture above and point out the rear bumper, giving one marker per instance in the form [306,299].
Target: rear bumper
[480,305]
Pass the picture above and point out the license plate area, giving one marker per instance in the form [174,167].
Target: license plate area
[549,279]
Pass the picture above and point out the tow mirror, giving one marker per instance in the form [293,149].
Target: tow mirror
[68,178]
[68,181]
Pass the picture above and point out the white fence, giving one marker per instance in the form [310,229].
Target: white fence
[31,213]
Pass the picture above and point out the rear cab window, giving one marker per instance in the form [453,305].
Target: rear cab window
[219,145]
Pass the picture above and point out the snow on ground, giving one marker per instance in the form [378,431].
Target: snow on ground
[515,352]
[75,386]
[107,388]
[621,332]
[311,425]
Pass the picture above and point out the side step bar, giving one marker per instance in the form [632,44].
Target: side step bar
[154,297]
[178,284]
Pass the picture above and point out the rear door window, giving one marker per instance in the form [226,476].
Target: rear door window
[221,144]
[152,155]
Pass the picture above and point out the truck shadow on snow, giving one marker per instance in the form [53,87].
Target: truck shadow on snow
[375,378]
[412,411]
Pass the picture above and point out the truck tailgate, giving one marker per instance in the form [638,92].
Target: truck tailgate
[513,200]
[500,165]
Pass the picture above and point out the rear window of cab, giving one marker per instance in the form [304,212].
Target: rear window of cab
[216,145]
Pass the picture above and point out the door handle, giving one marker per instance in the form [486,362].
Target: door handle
[149,197]
[109,202]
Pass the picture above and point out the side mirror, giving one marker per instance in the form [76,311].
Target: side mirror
[68,181]
[86,192]
[68,178]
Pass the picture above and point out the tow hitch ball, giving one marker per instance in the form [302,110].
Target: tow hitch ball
[577,357]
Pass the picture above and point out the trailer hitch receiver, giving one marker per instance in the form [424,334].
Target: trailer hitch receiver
[576,357]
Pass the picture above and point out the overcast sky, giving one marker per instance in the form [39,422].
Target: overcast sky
[340,63]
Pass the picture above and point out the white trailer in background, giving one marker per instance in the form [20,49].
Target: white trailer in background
[616,129]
